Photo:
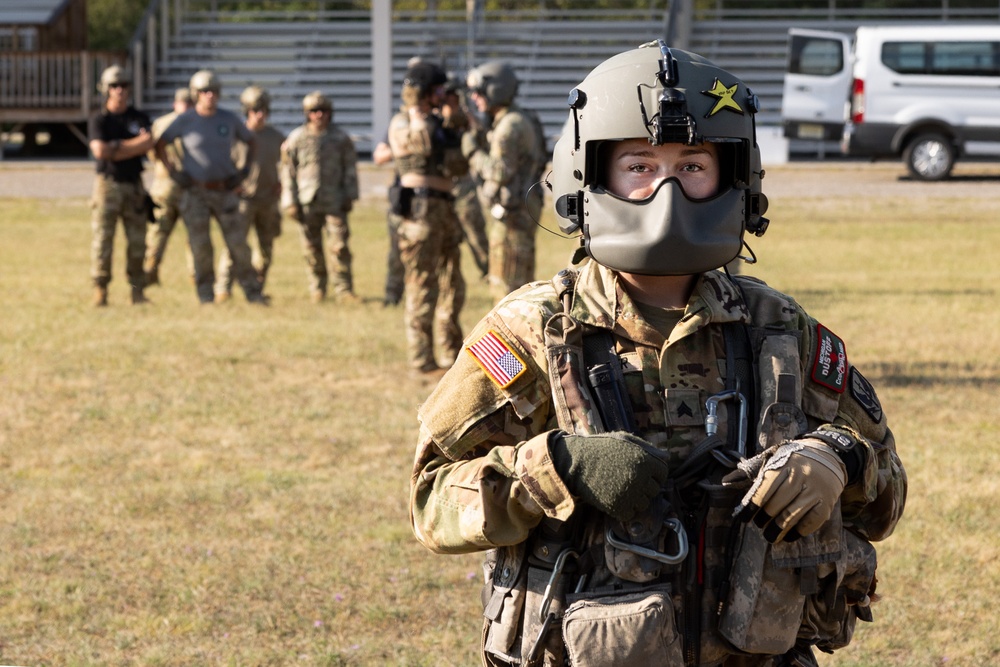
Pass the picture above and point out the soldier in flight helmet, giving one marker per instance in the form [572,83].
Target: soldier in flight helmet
[579,440]
[680,98]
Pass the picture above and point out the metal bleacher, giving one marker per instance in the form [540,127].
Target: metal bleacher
[291,55]
[292,51]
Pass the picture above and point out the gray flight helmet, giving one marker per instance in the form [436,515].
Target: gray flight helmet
[662,95]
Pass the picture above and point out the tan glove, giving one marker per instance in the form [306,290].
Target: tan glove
[795,490]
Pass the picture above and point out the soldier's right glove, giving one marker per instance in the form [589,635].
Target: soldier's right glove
[616,473]
[795,490]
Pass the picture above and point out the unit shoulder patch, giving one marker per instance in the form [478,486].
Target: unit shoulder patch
[830,365]
[497,359]
[864,393]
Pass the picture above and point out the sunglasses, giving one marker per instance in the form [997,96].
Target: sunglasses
[319,111]
[117,85]
[214,91]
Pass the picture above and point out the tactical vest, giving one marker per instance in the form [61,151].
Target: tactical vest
[445,159]
[682,584]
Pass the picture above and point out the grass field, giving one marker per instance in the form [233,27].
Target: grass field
[227,485]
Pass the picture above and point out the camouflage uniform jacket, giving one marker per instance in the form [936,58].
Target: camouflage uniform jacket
[483,477]
[432,148]
[319,170]
[513,160]
[263,184]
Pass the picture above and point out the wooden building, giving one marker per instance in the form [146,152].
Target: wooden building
[48,76]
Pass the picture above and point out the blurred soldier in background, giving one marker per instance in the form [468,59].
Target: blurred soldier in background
[209,179]
[382,155]
[507,160]
[119,135]
[166,193]
[467,207]
[319,187]
[260,192]
[426,149]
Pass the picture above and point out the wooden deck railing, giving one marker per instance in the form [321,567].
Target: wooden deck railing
[56,85]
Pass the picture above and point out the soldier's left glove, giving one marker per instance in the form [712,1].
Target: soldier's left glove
[795,490]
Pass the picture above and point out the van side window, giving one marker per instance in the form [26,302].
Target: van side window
[943,58]
[815,56]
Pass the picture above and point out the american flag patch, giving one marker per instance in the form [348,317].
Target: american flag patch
[497,359]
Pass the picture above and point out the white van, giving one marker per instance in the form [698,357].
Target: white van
[930,94]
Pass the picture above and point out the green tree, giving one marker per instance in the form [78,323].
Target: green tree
[111,23]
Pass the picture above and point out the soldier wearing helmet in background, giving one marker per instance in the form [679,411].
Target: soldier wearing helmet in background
[508,160]
[166,193]
[319,187]
[209,179]
[668,465]
[467,206]
[426,148]
[260,192]
[119,136]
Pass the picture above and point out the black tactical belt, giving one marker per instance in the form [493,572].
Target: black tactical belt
[433,194]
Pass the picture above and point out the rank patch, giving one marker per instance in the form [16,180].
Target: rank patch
[501,363]
[724,96]
[830,368]
[864,393]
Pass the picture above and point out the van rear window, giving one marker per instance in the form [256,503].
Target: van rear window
[815,55]
[943,58]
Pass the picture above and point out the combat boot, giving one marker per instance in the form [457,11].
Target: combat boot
[222,297]
[100,297]
[152,277]
[138,297]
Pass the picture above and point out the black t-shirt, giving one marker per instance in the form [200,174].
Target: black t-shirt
[109,127]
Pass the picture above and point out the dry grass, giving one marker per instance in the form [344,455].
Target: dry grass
[186,485]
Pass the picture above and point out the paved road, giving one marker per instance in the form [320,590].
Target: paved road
[74,178]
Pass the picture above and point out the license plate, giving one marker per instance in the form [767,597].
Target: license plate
[810,131]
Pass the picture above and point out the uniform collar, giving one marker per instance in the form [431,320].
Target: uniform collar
[600,300]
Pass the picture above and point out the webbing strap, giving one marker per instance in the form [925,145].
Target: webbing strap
[741,376]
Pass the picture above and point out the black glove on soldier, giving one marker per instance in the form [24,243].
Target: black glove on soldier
[617,473]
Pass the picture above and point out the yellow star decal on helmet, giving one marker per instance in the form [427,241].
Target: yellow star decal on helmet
[725,98]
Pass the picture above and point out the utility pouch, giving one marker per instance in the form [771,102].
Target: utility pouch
[503,600]
[634,629]
[771,584]
[400,200]
[831,615]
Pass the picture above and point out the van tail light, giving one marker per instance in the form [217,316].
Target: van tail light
[858,101]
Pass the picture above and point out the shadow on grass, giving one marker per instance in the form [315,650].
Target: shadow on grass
[930,373]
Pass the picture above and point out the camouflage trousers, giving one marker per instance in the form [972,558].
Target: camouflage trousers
[166,199]
[197,207]
[512,251]
[336,271]
[112,201]
[435,290]
[264,217]
[470,216]
[394,281]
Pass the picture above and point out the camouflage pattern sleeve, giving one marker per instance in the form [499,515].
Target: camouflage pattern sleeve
[839,400]
[289,170]
[482,474]
[873,504]
[350,170]
[511,159]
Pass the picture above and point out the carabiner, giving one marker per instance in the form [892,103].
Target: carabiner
[712,419]
[669,559]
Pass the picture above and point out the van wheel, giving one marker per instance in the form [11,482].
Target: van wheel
[929,157]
